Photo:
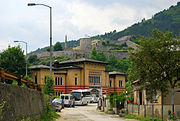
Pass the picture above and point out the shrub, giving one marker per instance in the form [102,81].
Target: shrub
[171,115]
[122,111]
[110,109]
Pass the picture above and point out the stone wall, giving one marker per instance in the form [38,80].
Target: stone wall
[131,44]
[79,53]
[85,44]
[18,102]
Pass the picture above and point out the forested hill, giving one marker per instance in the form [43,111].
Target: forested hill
[166,20]
[71,44]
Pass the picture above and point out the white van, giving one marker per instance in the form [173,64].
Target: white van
[67,99]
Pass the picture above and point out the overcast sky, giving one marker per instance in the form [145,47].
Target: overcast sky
[74,18]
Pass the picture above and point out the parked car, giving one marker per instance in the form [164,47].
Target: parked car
[94,99]
[67,99]
[58,104]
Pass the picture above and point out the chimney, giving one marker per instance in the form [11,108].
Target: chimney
[66,42]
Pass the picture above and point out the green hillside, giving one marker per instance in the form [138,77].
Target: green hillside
[166,20]
[71,44]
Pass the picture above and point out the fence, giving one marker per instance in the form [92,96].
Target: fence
[7,75]
[152,110]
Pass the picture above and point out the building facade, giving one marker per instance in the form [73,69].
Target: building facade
[80,74]
[140,96]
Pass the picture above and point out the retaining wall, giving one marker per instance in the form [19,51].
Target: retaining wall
[18,102]
[79,53]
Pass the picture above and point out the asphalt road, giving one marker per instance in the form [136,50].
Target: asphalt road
[87,113]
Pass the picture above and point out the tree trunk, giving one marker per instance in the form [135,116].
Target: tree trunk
[162,102]
[172,98]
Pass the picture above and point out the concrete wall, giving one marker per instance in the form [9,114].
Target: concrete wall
[20,102]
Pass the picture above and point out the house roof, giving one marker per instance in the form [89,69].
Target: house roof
[136,81]
[116,73]
[81,60]
[39,67]
[68,67]
[47,67]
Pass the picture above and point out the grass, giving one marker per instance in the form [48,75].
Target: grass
[106,112]
[49,114]
[140,118]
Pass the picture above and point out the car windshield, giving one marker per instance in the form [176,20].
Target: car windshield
[66,97]
[76,95]
[57,100]
[62,97]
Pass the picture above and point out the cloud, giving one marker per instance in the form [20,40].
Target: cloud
[103,19]
[72,17]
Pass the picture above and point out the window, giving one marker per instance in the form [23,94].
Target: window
[94,80]
[120,83]
[76,80]
[110,83]
[45,77]
[35,79]
[156,97]
[58,93]
[58,81]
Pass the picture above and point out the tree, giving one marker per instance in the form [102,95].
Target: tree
[156,63]
[93,53]
[48,49]
[123,65]
[48,87]
[32,58]
[58,47]
[100,56]
[113,66]
[13,60]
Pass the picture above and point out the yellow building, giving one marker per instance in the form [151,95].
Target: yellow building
[80,74]
[140,96]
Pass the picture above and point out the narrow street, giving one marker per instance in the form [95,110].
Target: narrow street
[87,113]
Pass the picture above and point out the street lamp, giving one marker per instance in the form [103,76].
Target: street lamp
[33,4]
[26,54]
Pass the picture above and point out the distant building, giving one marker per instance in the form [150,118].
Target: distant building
[80,74]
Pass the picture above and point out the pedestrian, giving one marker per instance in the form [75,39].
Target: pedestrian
[73,103]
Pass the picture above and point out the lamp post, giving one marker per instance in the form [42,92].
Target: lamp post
[26,54]
[33,4]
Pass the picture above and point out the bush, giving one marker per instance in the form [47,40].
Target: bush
[49,114]
[171,116]
[130,116]
[110,109]
[122,111]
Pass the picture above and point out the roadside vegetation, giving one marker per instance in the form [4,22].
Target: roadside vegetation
[140,118]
